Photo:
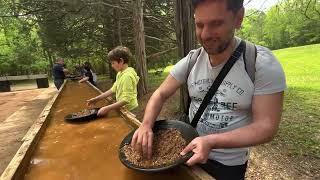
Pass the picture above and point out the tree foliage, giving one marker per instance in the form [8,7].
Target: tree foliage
[33,33]
[289,23]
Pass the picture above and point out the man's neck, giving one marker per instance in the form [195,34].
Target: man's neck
[218,59]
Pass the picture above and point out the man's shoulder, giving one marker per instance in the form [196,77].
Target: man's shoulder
[262,51]
[265,54]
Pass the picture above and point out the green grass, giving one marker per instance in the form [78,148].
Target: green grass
[300,126]
[301,65]
[156,76]
[154,80]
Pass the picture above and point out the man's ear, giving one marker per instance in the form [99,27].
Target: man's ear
[239,18]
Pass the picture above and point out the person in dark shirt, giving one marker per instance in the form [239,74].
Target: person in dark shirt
[88,76]
[59,72]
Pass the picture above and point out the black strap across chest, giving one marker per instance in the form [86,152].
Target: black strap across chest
[215,85]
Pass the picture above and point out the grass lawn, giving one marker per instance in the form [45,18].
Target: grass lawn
[300,126]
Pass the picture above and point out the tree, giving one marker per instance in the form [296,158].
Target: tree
[185,33]
[140,46]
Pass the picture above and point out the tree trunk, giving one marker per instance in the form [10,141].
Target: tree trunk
[186,40]
[118,12]
[139,41]
[49,55]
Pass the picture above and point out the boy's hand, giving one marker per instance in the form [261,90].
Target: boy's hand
[91,102]
[103,111]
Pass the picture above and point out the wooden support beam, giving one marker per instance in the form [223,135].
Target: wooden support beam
[23,77]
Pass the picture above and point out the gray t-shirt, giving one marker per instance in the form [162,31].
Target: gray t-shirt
[230,107]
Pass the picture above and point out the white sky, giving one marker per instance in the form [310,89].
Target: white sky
[260,4]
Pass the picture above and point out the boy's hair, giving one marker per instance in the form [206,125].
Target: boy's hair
[233,5]
[118,53]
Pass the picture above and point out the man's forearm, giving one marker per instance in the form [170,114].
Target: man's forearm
[266,114]
[253,134]
[153,109]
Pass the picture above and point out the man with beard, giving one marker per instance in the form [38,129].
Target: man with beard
[246,113]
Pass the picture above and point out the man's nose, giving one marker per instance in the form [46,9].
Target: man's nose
[206,33]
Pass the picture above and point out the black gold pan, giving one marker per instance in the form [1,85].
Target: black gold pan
[187,131]
[91,114]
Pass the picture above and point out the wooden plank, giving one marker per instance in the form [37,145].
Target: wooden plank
[23,77]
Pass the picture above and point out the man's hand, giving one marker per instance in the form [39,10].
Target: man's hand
[142,140]
[201,149]
[103,111]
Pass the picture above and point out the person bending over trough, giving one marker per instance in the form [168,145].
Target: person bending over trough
[125,86]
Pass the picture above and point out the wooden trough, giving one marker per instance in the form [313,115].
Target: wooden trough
[55,149]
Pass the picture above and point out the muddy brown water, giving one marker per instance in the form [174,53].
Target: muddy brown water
[87,151]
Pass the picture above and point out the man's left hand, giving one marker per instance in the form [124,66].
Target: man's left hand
[201,149]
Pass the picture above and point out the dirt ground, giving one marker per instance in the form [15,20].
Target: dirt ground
[19,109]
[12,101]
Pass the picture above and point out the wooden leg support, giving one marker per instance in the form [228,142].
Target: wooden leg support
[5,86]
[42,83]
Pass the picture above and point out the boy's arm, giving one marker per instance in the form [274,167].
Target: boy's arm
[104,110]
[126,89]
[106,94]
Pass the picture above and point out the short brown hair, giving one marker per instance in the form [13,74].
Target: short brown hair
[233,5]
[118,53]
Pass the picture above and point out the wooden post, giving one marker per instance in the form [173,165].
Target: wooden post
[42,83]
[5,86]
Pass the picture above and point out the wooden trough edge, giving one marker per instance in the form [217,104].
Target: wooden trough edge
[14,169]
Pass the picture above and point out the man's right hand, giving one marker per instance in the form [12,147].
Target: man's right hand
[142,140]
[92,102]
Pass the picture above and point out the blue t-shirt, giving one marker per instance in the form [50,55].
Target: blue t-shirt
[57,71]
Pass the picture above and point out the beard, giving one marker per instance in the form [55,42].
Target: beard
[216,46]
